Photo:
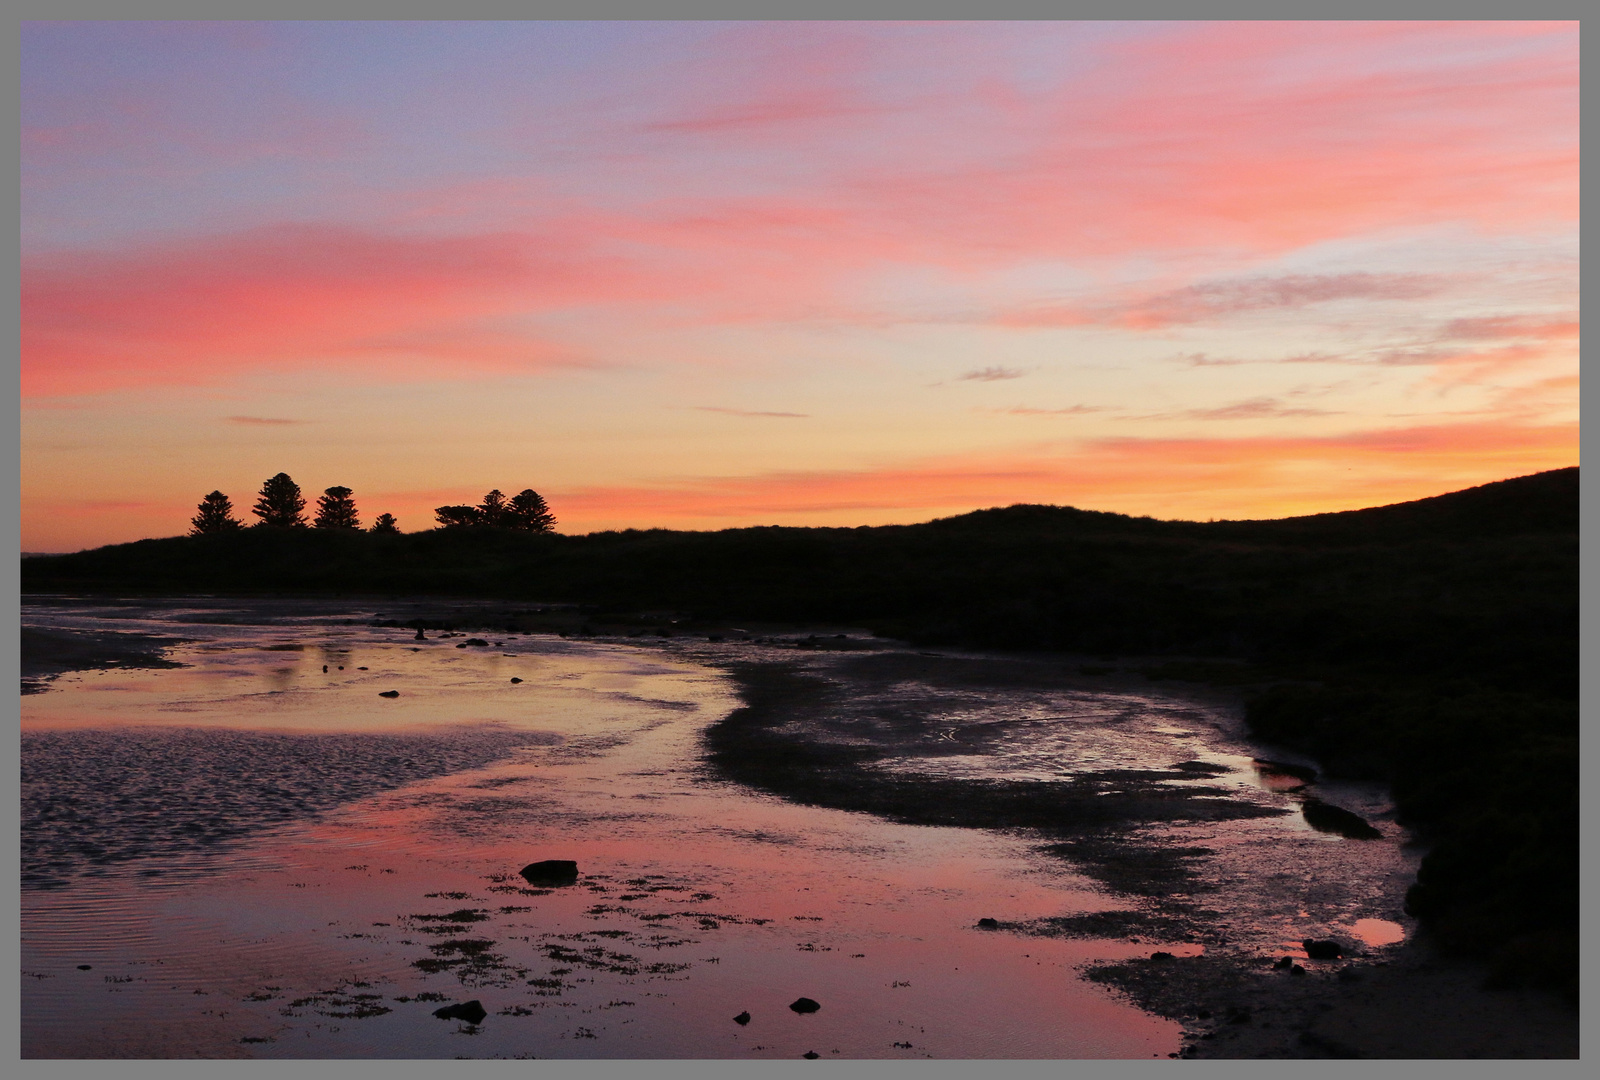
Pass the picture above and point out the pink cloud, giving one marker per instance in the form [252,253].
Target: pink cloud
[295,297]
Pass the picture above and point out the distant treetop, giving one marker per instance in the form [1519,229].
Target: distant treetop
[526,511]
[336,510]
[385,523]
[281,504]
[215,516]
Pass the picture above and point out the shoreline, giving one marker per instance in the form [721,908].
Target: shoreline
[1398,1002]
[1404,1001]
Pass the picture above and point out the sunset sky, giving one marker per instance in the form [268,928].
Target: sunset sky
[699,275]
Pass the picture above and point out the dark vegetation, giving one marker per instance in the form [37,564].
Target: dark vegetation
[1431,644]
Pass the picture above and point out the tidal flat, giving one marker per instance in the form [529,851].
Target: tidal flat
[236,845]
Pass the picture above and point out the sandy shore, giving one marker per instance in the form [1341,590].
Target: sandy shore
[1404,1001]
[824,715]
[48,653]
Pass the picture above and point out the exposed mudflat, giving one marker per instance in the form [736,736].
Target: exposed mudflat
[246,850]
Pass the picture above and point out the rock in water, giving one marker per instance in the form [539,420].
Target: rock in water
[551,872]
[1322,950]
[420,635]
[804,1005]
[742,1019]
[1326,817]
[811,1055]
[515,679]
[472,1012]
[988,924]
[388,693]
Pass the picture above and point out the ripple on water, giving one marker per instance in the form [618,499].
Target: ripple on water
[159,801]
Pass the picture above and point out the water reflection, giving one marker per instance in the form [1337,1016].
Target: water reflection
[276,861]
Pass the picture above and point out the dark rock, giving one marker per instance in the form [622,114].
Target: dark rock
[804,1005]
[85,967]
[476,641]
[811,1055]
[1299,772]
[388,693]
[420,635]
[1162,956]
[988,924]
[515,679]
[1322,950]
[1283,964]
[472,1012]
[551,872]
[325,669]
[1325,817]
[1297,970]
[742,1019]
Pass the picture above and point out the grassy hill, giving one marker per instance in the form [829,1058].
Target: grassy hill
[1432,644]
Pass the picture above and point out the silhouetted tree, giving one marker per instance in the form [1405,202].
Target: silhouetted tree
[336,510]
[455,517]
[385,524]
[281,504]
[215,516]
[528,510]
[492,510]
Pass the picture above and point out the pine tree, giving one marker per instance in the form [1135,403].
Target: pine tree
[385,524]
[336,510]
[492,511]
[281,504]
[215,516]
[528,510]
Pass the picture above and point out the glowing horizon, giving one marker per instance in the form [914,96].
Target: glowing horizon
[703,275]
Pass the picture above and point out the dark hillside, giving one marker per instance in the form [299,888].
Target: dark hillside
[1432,643]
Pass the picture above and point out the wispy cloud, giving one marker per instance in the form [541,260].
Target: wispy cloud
[1259,408]
[1070,410]
[269,421]
[1215,301]
[748,412]
[991,374]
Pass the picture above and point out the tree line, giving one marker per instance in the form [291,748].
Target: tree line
[281,505]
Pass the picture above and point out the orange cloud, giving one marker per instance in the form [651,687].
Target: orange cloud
[1266,476]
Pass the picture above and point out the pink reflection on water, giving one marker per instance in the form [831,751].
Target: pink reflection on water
[699,899]
[1378,932]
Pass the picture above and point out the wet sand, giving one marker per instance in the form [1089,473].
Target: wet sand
[755,820]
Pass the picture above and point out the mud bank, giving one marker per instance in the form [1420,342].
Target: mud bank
[1220,882]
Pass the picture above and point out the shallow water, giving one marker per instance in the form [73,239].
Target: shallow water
[252,856]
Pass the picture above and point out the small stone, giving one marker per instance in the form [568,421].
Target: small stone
[988,924]
[551,872]
[1162,956]
[1283,964]
[742,1019]
[388,693]
[1297,970]
[1322,950]
[472,1012]
[811,1055]
[515,679]
[85,967]
[804,1005]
